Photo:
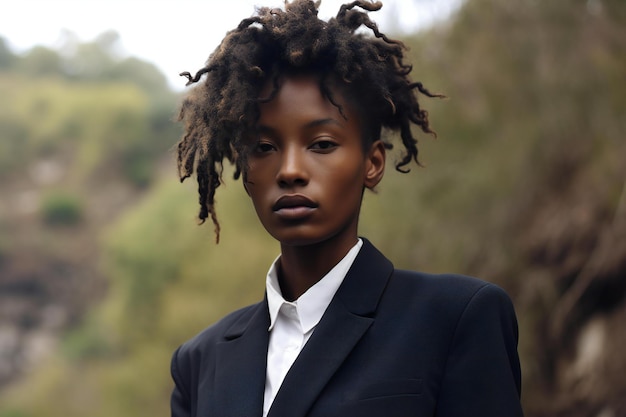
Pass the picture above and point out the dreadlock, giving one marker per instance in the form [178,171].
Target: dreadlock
[219,113]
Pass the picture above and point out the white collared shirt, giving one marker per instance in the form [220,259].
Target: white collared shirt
[292,323]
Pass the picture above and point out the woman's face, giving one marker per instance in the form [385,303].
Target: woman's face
[308,167]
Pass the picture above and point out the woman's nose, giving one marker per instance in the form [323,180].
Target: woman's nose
[292,170]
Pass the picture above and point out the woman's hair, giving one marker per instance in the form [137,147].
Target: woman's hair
[220,113]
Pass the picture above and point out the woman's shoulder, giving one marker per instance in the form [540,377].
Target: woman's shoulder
[446,282]
[449,289]
[220,329]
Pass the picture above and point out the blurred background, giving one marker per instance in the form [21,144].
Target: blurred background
[104,272]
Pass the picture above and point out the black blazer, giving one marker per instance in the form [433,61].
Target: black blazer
[391,343]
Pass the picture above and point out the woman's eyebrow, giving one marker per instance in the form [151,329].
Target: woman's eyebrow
[261,128]
[265,129]
[322,122]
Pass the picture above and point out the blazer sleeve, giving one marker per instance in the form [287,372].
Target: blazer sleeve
[180,400]
[482,375]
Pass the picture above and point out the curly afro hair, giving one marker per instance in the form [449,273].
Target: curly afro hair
[219,114]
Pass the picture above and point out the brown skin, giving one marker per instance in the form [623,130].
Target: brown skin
[306,176]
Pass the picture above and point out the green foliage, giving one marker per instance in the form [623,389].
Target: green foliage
[95,61]
[168,281]
[107,127]
[13,149]
[104,123]
[7,57]
[141,73]
[40,61]
[13,413]
[138,168]
[89,341]
[63,209]
[157,245]
[114,112]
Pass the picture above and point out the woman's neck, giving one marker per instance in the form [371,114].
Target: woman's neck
[301,267]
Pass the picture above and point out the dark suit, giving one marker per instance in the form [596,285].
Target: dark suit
[391,343]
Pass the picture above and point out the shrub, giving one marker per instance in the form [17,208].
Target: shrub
[61,209]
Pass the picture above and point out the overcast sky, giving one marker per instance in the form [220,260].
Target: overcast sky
[176,35]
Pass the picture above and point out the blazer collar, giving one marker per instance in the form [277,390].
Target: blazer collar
[366,280]
[240,365]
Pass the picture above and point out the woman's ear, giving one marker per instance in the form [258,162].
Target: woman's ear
[375,164]
[244,181]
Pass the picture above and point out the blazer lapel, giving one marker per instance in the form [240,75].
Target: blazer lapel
[346,320]
[240,366]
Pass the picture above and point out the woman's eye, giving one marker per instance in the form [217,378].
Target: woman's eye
[263,147]
[323,145]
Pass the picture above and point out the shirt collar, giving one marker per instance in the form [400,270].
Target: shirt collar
[313,303]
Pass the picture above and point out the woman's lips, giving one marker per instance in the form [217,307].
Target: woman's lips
[294,206]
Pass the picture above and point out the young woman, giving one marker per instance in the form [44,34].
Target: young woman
[298,105]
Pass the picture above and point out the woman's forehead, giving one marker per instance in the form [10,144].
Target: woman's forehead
[313,84]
